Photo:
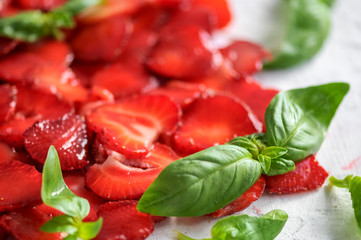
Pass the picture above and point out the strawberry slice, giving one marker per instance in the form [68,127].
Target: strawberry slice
[133,124]
[244,57]
[220,9]
[123,81]
[121,220]
[212,120]
[8,95]
[114,180]
[40,4]
[243,202]
[189,42]
[67,134]
[20,185]
[308,175]
[102,41]
[25,224]
[253,94]
[12,131]
[183,93]
[150,17]
[7,45]
[6,153]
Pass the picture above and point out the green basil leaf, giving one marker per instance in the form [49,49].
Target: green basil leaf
[353,183]
[30,26]
[308,24]
[71,237]
[298,119]
[281,166]
[89,230]
[62,223]
[274,152]
[329,2]
[265,162]
[244,227]
[246,143]
[56,194]
[201,183]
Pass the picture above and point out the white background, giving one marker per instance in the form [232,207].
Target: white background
[324,214]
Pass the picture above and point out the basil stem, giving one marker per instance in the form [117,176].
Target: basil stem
[30,26]
[308,24]
[244,227]
[298,119]
[201,183]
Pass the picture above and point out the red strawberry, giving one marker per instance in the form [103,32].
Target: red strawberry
[84,71]
[20,185]
[7,45]
[12,131]
[212,120]
[185,53]
[76,182]
[102,41]
[243,202]
[67,134]
[115,180]
[133,124]
[220,8]
[121,220]
[150,17]
[182,93]
[25,224]
[245,58]
[8,95]
[122,80]
[253,94]
[6,153]
[40,4]
[308,175]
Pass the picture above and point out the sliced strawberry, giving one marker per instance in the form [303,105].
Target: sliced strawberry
[253,94]
[76,182]
[308,175]
[40,4]
[212,120]
[7,45]
[243,202]
[114,180]
[182,93]
[220,9]
[25,224]
[190,43]
[6,153]
[8,9]
[150,17]
[123,81]
[20,185]
[133,124]
[12,131]
[102,41]
[245,58]
[84,71]
[200,16]
[121,220]
[8,96]
[67,134]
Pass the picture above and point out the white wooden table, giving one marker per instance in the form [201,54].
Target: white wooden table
[324,214]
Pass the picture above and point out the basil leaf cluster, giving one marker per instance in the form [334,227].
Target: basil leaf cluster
[308,25]
[296,123]
[30,26]
[55,193]
[353,184]
[244,227]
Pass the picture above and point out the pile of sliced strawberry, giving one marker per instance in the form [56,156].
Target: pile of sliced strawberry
[136,85]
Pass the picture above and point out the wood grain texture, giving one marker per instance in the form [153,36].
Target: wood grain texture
[325,214]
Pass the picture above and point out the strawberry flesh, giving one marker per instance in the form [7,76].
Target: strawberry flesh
[121,220]
[308,175]
[67,134]
[8,95]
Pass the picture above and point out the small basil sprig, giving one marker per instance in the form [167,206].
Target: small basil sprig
[55,193]
[296,123]
[353,184]
[244,227]
[298,119]
[30,26]
[308,24]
